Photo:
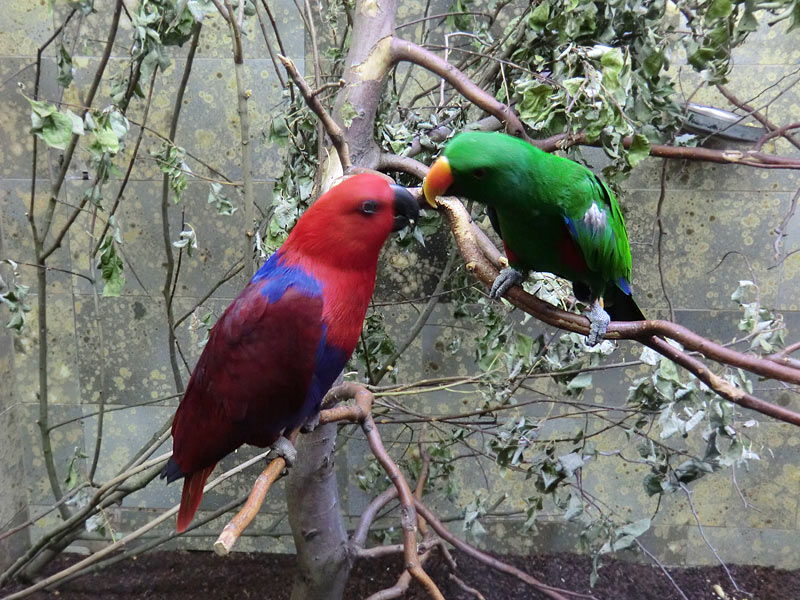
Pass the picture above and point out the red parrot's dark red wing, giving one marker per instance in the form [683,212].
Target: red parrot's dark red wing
[252,378]
[276,351]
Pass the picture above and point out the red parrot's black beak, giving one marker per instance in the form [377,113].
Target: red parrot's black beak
[406,209]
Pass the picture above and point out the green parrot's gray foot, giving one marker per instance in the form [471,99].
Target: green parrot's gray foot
[284,448]
[311,424]
[599,320]
[508,278]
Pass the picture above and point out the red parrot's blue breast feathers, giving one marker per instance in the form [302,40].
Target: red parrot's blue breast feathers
[278,348]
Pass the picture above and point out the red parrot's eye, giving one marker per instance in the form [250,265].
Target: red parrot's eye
[369,207]
[479,173]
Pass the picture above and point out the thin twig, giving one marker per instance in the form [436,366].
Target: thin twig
[661,233]
[242,96]
[115,546]
[170,277]
[756,114]
[66,161]
[470,590]
[403,50]
[278,39]
[780,231]
[230,274]
[123,185]
[422,319]
[491,561]
[705,539]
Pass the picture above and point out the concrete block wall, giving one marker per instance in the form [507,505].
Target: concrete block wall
[709,210]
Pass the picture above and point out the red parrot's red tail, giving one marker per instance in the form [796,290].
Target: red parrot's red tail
[192,495]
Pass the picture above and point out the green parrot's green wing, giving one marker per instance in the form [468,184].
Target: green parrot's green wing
[598,229]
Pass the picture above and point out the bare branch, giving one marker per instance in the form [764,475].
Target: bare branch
[361,411]
[404,164]
[403,50]
[113,547]
[749,158]
[470,590]
[774,130]
[422,319]
[488,560]
[244,517]
[331,127]
[359,536]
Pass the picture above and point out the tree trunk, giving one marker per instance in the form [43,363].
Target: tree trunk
[368,62]
[312,494]
[315,516]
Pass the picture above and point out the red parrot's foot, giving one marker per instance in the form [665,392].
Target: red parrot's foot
[311,424]
[508,278]
[284,448]
[599,320]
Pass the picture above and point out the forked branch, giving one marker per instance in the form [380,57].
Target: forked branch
[312,100]
[358,412]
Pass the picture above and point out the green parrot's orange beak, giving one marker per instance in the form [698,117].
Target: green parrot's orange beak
[437,181]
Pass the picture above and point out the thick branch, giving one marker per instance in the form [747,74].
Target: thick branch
[366,67]
[643,331]
[360,412]
[749,158]
[402,50]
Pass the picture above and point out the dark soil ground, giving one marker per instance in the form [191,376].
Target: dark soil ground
[203,575]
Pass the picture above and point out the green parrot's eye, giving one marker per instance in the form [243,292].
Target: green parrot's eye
[479,173]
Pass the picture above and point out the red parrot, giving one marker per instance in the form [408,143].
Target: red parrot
[278,348]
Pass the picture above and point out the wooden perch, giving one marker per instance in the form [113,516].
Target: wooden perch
[652,333]
[247,513]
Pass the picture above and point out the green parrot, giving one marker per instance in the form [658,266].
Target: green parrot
[553,215]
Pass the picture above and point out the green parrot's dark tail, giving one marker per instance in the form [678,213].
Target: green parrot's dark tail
[622,307]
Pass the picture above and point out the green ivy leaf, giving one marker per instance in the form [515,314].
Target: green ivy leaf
[719,9]
[64,62]
[639,150]
[349,113]
[539,16]
[14,299]
[111,268]
[570,463]
[72,478]
[53,127]
[220,200]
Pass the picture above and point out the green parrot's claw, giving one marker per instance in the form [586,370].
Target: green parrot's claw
[599,320]
[284,448]
[508,278]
